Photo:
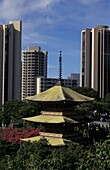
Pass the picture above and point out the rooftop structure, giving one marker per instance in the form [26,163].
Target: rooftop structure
[58,117]
[59,93]
[75,77]
[43,84]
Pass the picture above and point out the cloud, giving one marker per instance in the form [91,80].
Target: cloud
[20,8]
[40,42]
[52,66]
[51,13]
[11,10]
[56,25]
[42,18]
[43,4]
[41,14]
[88,2]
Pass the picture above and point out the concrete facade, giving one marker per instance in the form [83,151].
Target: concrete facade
[95,59]
[43,84]
[75,76]
[34,63]
[10,61]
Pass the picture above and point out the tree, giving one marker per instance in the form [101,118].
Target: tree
[13,112]
[95,157]
[31,155]
[86,91]
[107,97]
[10,110]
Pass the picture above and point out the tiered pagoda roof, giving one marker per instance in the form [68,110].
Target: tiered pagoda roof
[58,115]
[50,119]
[59,93]
[55,95]
[53,141]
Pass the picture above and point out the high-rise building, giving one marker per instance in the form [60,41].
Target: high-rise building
[95,59]
[34,63]
[10,61]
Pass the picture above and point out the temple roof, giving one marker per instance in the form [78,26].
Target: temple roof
[59,93]
[53,141]
[50,119]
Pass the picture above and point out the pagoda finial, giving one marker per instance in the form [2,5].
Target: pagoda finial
[60,66]
[59,83]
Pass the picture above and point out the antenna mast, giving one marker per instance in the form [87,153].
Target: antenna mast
[60,66]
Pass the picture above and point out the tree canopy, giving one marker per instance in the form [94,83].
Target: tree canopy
[38,155]
[13,112]
[86,91]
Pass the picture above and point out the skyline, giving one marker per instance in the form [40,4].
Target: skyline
[56,26]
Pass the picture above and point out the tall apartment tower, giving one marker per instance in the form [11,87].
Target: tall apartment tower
[34,63]
[95,59]
[10,62]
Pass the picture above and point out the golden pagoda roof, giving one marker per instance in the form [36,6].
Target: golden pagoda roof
[50,119]
[53,141]
[59,93]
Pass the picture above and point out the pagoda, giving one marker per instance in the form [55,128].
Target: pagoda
[58,117]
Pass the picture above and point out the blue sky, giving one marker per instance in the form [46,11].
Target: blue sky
[56,25]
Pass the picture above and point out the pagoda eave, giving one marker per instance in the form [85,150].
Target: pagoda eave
[53,141]
[50,119]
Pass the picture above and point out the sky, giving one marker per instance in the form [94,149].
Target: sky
[56,25]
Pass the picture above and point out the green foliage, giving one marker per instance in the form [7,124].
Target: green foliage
[7,148]
[37,155]
[96,157]
[87,109]
[86,91]
[41,156]
[31,155]
[6,163]
[107,97]
[13,112]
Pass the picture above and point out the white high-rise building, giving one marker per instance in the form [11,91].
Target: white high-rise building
[34,63]
[95,59]
[10,61]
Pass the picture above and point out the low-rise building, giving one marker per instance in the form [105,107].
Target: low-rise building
[75,76]
[43,84]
